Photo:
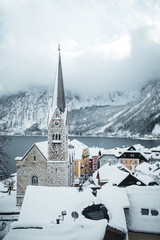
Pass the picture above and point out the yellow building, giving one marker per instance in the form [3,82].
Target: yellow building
[81,169]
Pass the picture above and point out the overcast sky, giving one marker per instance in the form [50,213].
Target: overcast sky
[106,45]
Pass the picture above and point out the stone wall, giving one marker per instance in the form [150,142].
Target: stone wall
[33,164]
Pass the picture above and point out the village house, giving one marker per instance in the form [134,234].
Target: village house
[49,163]
[81,160]
[95,154]
[132,157]
[120,176]
[107,158]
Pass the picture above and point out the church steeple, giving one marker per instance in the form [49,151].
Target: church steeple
[58,165]
[59,95]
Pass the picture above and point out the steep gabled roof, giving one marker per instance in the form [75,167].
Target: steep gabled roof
[58,100]
[41,146]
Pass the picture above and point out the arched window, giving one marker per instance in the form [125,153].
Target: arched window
[53,137]
[35,180]
[59,136]
[56,137]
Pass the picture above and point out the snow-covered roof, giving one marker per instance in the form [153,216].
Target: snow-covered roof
[143,167]
[145,178]
[94,151]
[110,174]
[143,198]
[79,147]
[43,205]
[43,147]
[156,149]
[115,151]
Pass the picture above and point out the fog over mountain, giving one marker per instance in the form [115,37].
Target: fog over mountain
[124,114]
[106,45]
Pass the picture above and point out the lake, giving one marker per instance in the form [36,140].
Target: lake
[17,146]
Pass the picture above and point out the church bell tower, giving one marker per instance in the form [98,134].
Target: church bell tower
[58,169]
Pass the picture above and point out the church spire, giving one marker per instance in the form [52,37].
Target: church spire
[59,95]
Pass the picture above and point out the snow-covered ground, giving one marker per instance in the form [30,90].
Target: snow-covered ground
[7,205]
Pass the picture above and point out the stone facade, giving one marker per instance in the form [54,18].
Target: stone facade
[58,167]
[33,164]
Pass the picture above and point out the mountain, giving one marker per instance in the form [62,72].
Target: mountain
[134,114]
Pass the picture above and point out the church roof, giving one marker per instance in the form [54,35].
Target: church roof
[58,100]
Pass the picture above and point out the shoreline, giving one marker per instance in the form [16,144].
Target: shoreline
[88,136]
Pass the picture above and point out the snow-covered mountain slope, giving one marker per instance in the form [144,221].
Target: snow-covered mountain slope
[141,118]
[121,114]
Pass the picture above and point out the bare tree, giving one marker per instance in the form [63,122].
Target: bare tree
[4,171]
[9,184]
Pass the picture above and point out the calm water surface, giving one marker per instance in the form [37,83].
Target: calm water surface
[18,145]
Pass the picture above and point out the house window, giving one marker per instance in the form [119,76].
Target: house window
[56,136]
[35,180]
[59,136]
[130,161]
[144,211]
[34,158]
[121,161]
[135,161]
[154,212]
[94,167]
[126,161]
[94,161]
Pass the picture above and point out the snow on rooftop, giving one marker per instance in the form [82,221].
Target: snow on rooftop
[43,205]
[18,158]
[144,200]
[115,151]
[143,167]
[79,147]
[144,178]
[43,147]
[110,174]
[94,151]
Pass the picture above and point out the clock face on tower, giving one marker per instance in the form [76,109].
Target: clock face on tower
[56,123]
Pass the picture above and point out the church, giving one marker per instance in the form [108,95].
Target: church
[49,163]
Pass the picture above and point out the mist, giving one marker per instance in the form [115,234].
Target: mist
[105,46]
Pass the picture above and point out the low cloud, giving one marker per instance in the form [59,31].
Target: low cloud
[105,46]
